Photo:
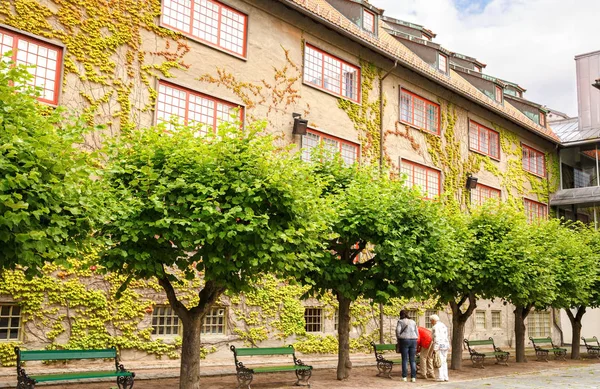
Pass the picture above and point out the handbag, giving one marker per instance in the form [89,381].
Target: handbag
[437,360]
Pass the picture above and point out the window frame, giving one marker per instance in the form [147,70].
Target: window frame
[321,321]
[542,119]
[372,14]
[190,35]
[9,326]
[477,313]
[488,188]
[427,170]
[439,63]
[173,315]
[499,94]
[412,112]
[429,312]
[499,313]
[322,86]
[323,135]
[188,91]
[536,316]
[538,205]
[480,128]
[528,167]
[224,325]
[30,38]
[477,68]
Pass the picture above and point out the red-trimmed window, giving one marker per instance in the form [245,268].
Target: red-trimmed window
[46,57]
[484,140]
[427,179]
[442,63]
[368,21]
[542,119]
[477,68]
[331,73]
[534,161]
[189,107]
[419,112]
[482,194]
[349,151]
[209,21]
[499,93]
[535,210]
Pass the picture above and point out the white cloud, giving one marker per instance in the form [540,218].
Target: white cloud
[530,42]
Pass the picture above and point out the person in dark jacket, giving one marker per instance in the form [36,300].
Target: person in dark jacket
[407,335]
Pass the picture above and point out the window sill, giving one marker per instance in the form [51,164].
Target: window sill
[484,155]
[331,93]
[535,174]
[419,129]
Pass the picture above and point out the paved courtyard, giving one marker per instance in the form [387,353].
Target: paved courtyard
[587,377]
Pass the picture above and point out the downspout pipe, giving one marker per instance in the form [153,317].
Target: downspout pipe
[381,115]
[381,169]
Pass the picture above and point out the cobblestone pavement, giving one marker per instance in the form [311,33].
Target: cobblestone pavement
[587,377]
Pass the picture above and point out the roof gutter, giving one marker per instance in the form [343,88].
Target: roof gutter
[580,142]
[401,61]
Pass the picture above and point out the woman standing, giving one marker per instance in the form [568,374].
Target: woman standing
[441,344]
[406,333]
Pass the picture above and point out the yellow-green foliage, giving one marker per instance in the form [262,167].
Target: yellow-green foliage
[7,353]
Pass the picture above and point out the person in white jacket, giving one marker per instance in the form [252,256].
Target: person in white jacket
[441,344]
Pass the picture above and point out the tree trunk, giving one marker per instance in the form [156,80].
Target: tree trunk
[459,319]
[344,364]
[521,313]
[576,325]
[189,377]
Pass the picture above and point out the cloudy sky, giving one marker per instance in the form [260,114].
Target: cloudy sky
[530,42]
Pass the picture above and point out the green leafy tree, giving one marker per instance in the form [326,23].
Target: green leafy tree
[578,276]
[384,243]
[226,208]
[46,207]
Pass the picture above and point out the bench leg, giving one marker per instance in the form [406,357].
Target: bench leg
[478,360]
[562,354]
[502,359]
[594,353]
[23,380]
[125,382]
[385,369]
[542,355]
[244,377]
[303,376]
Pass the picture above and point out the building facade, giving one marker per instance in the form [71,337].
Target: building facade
[370,86]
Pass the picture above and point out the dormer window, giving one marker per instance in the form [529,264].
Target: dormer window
[498,94]
[369,21]
[426,37]
[542,119]
[442,63]
[477,69]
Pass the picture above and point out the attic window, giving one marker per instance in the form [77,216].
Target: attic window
[542,119]
[477,69]
[368,21]
[442,63]
[426,37]
[498,94]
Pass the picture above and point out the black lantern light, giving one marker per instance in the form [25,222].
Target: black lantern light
[300,125]
[471,182]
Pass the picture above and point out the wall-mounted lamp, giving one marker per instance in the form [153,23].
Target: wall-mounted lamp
[300,125]
[471,182]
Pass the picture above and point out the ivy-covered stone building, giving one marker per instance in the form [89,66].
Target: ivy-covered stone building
[370,86]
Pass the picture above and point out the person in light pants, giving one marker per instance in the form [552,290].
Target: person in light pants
[441,344]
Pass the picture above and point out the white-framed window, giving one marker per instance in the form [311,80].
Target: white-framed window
[189,107]
[496,319]
[413,314]
[349,151]
[214,322]
[442,63]
[46,58]
[209,21]
[165,321]
[313,317]
[538,324]
[368,21]
[480,322]
[10,323]
[331,74]
[428,313]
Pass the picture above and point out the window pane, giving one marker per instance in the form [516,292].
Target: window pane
[313,319]
[214,322]
[328,72]
[309,142]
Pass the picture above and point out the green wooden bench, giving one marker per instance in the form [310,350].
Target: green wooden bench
[478,356]
[385,365]
[245,374]
[592,349]
[542,352]
[24,381]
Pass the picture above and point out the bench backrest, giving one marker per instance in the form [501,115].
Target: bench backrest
[480,342]
[383,347]
[539,341]
[60,355]
[590,340]
[241,352]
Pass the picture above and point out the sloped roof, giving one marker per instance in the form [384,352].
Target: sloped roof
[568,131]
[387,45]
